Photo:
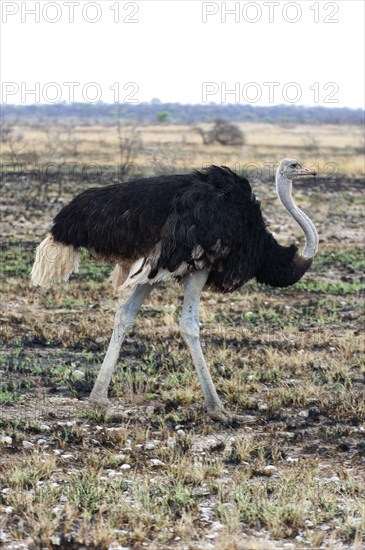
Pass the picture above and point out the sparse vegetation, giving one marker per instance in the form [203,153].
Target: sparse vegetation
[153,471]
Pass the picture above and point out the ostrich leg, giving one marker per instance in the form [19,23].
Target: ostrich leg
[189,326]
[124,317]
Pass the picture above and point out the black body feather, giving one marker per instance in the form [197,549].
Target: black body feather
[208,219]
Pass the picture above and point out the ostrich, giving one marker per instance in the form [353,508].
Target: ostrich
[205,229]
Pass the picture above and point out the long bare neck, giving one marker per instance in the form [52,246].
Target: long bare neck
[284,188]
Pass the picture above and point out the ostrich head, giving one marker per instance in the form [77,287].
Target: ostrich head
[291,168]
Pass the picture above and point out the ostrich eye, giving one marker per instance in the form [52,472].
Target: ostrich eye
[293,165]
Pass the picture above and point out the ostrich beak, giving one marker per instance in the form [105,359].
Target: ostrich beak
[306,172]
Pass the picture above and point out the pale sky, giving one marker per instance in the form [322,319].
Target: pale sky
[265,52]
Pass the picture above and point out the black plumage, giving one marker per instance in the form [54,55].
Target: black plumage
[209,220]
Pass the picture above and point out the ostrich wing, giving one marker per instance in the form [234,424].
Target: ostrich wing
[217,225]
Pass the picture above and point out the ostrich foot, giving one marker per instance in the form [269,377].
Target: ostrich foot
[230,420]
[218,414]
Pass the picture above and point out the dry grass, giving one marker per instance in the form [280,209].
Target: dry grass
[155,472]
[179,147]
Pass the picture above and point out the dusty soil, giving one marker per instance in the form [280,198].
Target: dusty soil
[154,471]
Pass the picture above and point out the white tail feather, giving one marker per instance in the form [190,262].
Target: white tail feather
[54,263]
[119,275]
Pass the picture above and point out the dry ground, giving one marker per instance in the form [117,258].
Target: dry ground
[179,147]
[155,472]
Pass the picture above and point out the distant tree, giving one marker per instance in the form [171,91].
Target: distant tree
[224,133]
[162,116]
[147,113]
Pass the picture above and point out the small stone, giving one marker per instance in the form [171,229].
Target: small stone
[121,457]
[27,445]
[42,441]
[8,510]
[216,525]
[78,375]
[55,540]
[67,456]
[125,467]
[171,442]
[4,536]
[207,443]
[270,470]
[211,535]
[157,462]
[150,446]
[6,440]
[45,428]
